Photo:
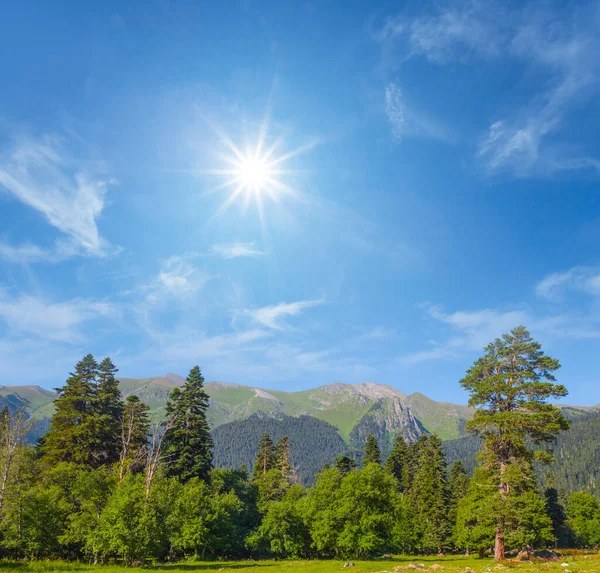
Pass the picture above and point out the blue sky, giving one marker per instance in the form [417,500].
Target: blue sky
[434,182]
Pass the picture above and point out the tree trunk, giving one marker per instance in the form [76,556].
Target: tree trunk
[499,546]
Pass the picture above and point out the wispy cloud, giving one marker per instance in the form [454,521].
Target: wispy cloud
[52,321]
[178,278]
[68,191]
[452,31]
[555,286]
[274,316]
[557,44]
[405,121]
[234,250]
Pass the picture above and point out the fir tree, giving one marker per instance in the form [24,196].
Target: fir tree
[509,388]
[265,458]
[188,442]
[554,508]
[345,464]
[396,463]
[458,484]
[430,498]
[72,434]
[372,453]
[109,413]
[282,457]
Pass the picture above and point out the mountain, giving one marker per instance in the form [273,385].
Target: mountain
[313,442]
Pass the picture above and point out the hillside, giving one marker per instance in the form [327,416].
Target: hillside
[577,453]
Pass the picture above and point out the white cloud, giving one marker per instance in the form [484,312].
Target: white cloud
[405,121]
[234,250]
[577,279]
[68,191]
[273,316]
[177,279]
[556,43]
[53,321]
[25,253]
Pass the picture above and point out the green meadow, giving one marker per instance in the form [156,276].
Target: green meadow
[569,562]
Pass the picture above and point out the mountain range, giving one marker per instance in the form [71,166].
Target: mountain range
[352,409]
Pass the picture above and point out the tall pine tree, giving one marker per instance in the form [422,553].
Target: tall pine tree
[73,429]
[265,458]
[372,453]
[188,442]
[109,413]
[396,464]
[430,497]
[509,386]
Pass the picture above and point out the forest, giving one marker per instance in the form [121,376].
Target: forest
[107,484]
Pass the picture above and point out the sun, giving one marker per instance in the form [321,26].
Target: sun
[254,173]
[258,172]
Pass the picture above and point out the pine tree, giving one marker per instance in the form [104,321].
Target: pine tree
[282,456]
[509,388]
[396,463]
[72,434]
[109,412]
[372,453]
[458,484]
[135,426]
[265,458]
[345,464]
[554,508]
[188,442]
[430,497]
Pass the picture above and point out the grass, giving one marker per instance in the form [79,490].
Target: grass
[576,562]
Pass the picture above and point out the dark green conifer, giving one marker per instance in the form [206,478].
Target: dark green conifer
[372,453]
[72,434]
[188,442]
[282,457]
[345,464]
[109,413]
[554,508]
[265,458]
[396,463]
[430,497]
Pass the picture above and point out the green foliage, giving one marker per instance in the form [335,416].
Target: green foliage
[475,526]
[72,435]
[108,410]
[134,430]
[202,520]
[315,443]
[458,484]
[583,511]
[345,464]
[509,387]
[188,442]
[430,497]
[372,453]
[283,532]
[130,526]
[266,456]
[397,462]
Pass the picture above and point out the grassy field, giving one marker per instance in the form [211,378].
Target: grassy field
[572,562]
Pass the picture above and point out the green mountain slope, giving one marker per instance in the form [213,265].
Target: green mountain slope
[355,410]
[445,419]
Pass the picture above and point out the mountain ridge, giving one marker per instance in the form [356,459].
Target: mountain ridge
[353,409]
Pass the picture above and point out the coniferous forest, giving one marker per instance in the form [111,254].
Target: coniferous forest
[107,483]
